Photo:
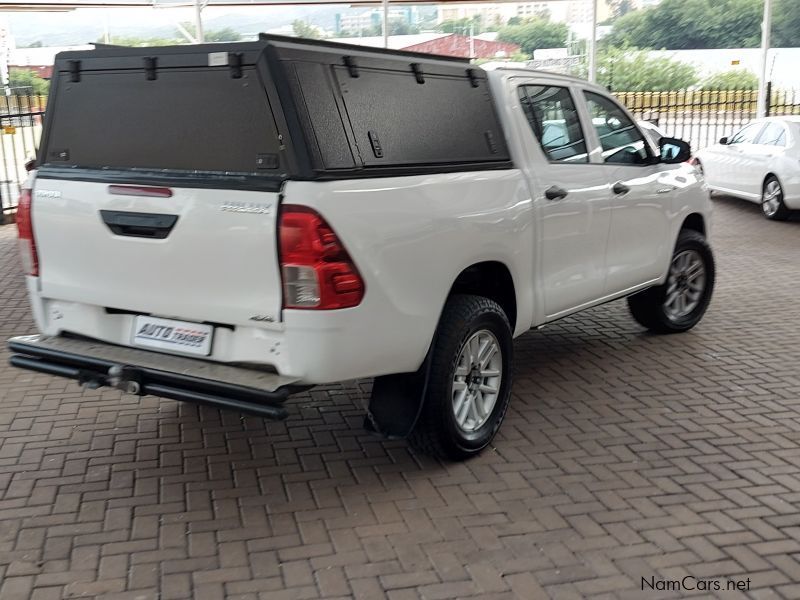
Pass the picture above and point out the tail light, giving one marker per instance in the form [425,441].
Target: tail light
[317,270]
[27,245]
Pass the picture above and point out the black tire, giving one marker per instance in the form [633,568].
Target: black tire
[772,207]
[437,431]
[649,307]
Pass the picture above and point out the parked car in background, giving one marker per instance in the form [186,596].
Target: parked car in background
[760,163]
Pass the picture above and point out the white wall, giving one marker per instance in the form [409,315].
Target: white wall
[782,64]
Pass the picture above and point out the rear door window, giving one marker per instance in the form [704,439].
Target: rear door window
[773,135]
[551,114]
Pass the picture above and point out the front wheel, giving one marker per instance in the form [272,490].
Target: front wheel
[470,379]
[681,302]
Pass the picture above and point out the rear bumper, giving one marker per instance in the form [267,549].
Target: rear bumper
[143,372]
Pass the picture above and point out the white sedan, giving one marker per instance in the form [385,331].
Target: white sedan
[760,163]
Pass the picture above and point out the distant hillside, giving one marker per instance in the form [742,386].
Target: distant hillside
[88,25]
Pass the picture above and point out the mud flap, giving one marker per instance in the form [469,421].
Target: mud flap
[396,402]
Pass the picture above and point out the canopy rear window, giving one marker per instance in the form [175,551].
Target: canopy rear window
[186,119]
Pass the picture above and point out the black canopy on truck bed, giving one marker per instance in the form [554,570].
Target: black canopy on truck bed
[251,114]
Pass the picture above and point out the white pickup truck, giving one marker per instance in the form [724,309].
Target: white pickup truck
[230,223]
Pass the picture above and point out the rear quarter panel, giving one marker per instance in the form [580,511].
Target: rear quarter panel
[410,237]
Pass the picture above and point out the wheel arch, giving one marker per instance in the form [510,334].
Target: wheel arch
[766,178]
[491,279]
[696,222]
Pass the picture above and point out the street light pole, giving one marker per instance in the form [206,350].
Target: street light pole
[593,45]
[766,30]
[198,21]
[385,5]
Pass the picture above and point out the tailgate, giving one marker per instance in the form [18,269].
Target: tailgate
[157,187]
[191,253]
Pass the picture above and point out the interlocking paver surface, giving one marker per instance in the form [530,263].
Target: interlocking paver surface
[624,456]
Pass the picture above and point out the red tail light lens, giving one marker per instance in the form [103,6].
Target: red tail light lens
[317,270]
[27,245]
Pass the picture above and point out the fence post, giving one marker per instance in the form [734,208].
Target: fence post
[768,100]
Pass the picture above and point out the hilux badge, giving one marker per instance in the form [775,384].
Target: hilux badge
[47,194]
[247,207]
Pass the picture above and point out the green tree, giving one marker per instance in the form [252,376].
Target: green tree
[226,34]
[620,8]
[305,30]
[36,44]
[535,33]
[397,26]
[401,27]
[27,82]
[735,79]
[140,42]
[678,24]
[462,26]
[637,71]
[786,24]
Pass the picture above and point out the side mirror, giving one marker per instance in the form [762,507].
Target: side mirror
[30,165]
[723,141]
[674,151]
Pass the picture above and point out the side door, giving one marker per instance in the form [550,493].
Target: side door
[571,196]
[639,242]
[742,160]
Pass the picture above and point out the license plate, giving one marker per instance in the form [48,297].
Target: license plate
[172,336]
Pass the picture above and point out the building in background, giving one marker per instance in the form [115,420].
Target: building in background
[565,11]
[465,47]
[38,60]
[355,21]
[448,44]
[557,11]
[490,15]
[396,42]
[580,11]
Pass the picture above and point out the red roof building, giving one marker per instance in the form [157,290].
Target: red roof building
[43,71]
[463,47]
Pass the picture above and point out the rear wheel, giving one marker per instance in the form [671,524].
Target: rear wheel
[772,200]
[681,302]
[470,380]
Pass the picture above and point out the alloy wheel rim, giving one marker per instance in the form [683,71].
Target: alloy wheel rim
[772,198]
[476,381]
[686,284]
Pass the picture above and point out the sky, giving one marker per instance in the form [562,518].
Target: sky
[84,26]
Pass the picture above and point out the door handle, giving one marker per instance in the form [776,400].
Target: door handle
[620,188]
[555,192]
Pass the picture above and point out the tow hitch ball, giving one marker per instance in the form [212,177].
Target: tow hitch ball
[121,377]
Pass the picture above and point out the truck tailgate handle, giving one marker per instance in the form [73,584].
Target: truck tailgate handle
[136,224]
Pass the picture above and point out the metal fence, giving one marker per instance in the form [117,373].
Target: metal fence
[20,129]
[703,117]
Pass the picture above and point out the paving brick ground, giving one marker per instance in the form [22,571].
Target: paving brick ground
[624,456]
